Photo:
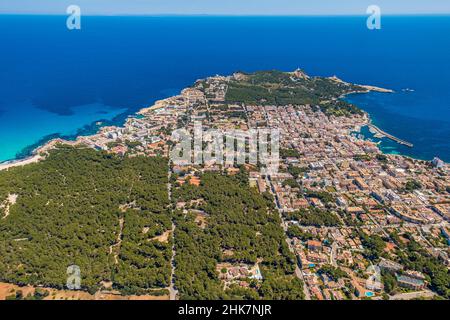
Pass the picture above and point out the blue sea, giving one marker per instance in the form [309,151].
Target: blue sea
[56,82]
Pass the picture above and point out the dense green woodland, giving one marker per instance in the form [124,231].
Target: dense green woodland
[414,257]
[68,211]
[314,217]
[239,220]
[281,88]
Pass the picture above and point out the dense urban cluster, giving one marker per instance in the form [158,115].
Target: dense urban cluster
[339,220]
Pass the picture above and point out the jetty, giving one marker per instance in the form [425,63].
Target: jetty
[389,136]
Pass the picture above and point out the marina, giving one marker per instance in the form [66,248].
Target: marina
[382,133]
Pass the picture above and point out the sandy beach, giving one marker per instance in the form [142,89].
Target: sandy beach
[158,105]
[18,163]
[36,157]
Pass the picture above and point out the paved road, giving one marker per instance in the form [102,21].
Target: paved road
[284,225]
[413,295]
[334,248]
[172,291]
[373,226]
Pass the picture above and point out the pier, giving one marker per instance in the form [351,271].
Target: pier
[390,136]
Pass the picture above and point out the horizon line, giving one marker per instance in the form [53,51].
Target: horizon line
[219,15]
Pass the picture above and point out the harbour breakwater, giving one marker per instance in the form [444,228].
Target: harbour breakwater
[389,136]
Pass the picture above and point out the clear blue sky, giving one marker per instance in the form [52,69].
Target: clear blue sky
[225,7]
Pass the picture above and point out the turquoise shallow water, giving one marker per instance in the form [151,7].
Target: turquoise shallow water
[55,82]
[36,124]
